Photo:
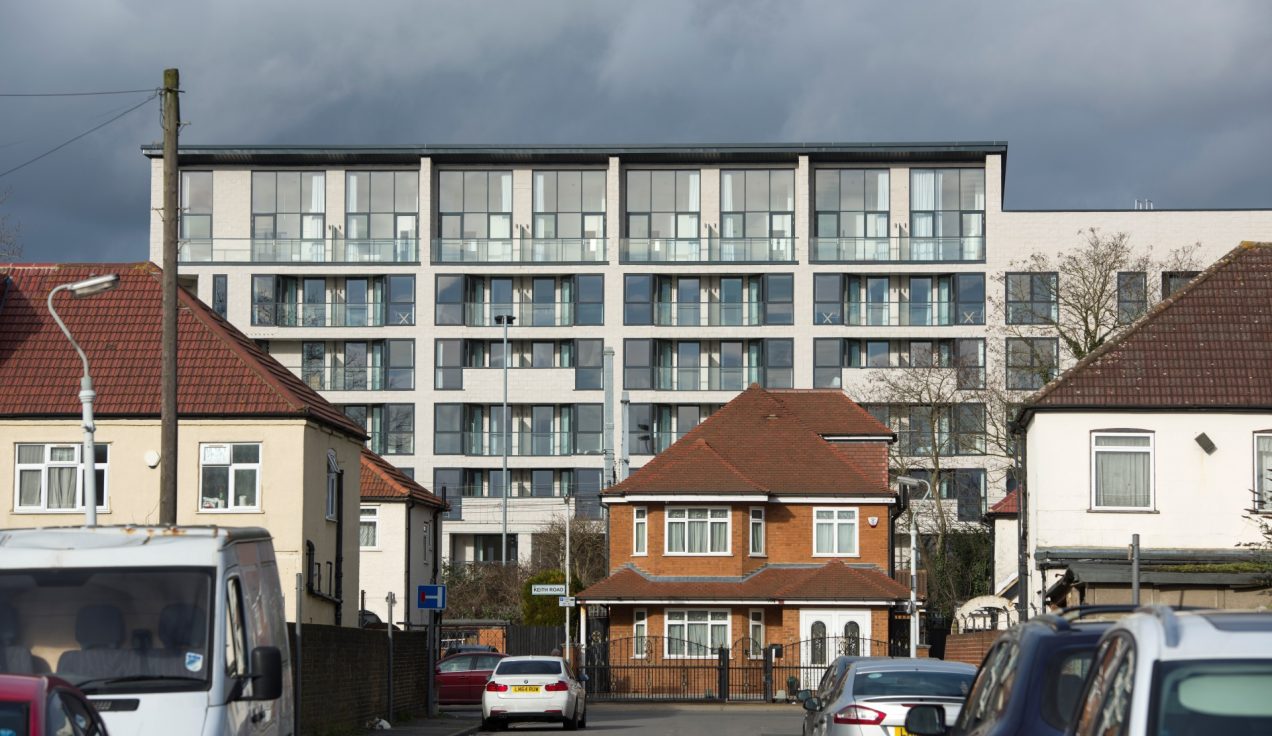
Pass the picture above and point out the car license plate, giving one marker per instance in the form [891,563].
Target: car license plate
[525,688]
[900,731]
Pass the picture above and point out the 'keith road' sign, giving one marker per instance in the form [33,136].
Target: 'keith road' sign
[547,590]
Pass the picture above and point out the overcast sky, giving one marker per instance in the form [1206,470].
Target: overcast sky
[1101,102]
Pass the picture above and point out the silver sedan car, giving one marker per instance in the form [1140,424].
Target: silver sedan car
[874,696]
[533,689]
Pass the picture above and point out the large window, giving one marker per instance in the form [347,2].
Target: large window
[589,298]
[569,205]
[1132,296]
[636,364]
[779,297]
[476,205]
[1031,362]
[779,363]
[1122,470]
[969,361]
[828,362]
[50,477]
[640,530]
[757,204]
[834,532]
[1263,471]
[288,215]
[399,370]
[851,204]
[369,527]
[382,211]
[663,205]
[589,362]
[230,477]
[695,633]
[196,215]
[947,214]
[1032,298]
[401,302]
[698,531]
[448,375]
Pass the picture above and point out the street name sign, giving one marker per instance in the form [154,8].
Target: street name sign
[542,589]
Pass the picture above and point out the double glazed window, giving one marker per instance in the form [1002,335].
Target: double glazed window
[947,214]
[757,531]
[834,532]
[1263,471]
[1173,281]
[50,477]
[369,527]
[230,477]
[663,205]
[476,205]
[288,207]
[698,531]
[1032,298]
[196,216]
[1031,362]
[569,204]
[853,203]
[695,633]
[1132,296]
[758,204]
[381,206]
[1122,470]
[640,530]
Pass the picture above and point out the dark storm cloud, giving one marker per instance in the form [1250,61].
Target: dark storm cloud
[1101,102]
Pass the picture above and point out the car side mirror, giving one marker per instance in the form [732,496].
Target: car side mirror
[925,720]
[583,677]
[266,674]
[812,704]
[803,695]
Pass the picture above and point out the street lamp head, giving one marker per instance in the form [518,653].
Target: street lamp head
[908,481]
[502,319]
[95,285]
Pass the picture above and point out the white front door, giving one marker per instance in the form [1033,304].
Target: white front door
[826,633]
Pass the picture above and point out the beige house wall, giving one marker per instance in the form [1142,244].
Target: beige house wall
[293,488]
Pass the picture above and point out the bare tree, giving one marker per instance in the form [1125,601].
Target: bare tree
[1085,294]
[10,246]
[588,549]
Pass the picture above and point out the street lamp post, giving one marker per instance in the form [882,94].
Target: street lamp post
[505,320]
[87,395]
[569,518]
[909,482]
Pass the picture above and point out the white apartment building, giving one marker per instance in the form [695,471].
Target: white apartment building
[378,275]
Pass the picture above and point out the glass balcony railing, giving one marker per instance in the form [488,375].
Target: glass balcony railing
[708,314]
[519,250]
[274,314]
[531,444]
[533,314]
[712,378]
[921,443]
[899,249]
[359,378]
[295,250]
[707,250]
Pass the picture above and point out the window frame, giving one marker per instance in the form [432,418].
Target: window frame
[835,522]
[753,536]
[726,617]
[1150,450]
[756,649]
[640,531]
[374,520]
[1034,364]
[1129,310]
[640,632]
[43,467]
[1031,305]
[231,508]
[669,519]
[1262,500]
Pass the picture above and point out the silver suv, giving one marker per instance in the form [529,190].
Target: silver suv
[1160,671]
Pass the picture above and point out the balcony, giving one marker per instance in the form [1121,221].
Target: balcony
[708,314]
[904,314]
[531,444]
[274,314]
[528,314]
[925,443]
[315,250]
[712,378]
[707,250]
[904,249]
[533,509]
[519,250]
[345,378]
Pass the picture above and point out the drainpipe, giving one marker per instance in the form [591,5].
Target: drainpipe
[607,440]
[625,461]
[406,567]
[1022,523]
[339,591]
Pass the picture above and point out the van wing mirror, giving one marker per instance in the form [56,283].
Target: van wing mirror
[266,674]
[925,720]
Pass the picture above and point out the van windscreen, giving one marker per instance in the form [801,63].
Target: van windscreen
[109,629]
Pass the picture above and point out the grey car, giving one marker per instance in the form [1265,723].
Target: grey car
[831,681]
[874,696]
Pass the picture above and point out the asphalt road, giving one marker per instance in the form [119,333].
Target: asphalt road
[687,719]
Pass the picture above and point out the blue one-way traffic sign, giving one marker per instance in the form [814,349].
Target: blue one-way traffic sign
[431,597]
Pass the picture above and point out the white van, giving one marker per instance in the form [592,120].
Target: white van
[168,630]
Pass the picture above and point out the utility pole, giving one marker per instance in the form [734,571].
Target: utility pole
[168,402]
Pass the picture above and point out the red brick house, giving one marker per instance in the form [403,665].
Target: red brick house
[769,523]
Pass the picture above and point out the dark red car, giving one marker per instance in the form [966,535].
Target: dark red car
[461,678]
[45,706]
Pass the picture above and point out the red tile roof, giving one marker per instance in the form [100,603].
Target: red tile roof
[381,481]
[1209,345]
[769,441]
[833,581]
[1009,506]
[221,372]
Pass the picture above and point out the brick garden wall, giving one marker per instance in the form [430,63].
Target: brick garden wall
[344,676]
[970,647]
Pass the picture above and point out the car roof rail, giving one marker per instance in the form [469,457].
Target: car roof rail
[1056,622]
[1076,613]
[1170,622]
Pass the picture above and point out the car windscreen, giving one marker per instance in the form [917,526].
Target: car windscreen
[905,683]
[1063,686]
[111,629]
[528,667]
[14,719]
[1212,697]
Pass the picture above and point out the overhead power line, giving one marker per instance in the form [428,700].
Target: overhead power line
[75,94]
[55,149]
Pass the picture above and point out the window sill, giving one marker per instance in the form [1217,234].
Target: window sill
[254,510]
[697,554]
[760,555]
[836,554]
[1122,511]
[78,512]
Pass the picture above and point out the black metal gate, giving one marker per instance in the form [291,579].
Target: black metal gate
[539,640]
